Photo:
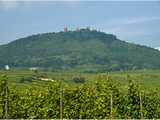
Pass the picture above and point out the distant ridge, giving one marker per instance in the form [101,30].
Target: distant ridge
[83,49]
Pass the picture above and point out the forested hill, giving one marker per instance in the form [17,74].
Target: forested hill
[84,49]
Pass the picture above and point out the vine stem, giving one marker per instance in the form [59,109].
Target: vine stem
[6,101]
[141,106]
[61,101]
[111,106]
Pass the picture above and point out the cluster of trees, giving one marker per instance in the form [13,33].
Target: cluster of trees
[103,99]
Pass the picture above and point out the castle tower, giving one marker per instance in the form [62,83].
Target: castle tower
[65,29]
[77,29]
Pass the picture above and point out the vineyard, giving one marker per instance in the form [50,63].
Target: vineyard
[105,98]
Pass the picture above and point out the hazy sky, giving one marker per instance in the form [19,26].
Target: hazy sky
[136,22]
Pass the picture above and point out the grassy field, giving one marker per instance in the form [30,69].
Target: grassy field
[146,78]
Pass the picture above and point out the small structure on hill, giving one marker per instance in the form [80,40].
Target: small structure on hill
[77,29]
[7,67]
[47,79]
[33,68]
[65,29]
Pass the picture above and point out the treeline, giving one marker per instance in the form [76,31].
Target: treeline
[103,99]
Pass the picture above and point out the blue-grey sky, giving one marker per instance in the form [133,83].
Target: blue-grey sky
[136,22]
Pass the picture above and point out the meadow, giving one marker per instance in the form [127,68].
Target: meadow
[146,78]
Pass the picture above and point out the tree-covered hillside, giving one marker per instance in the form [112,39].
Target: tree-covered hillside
[86,49]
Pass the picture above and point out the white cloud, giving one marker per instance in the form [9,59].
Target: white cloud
[137,30]
[130,21]
[13,4]
[126,26]
[7,5]
[139,20]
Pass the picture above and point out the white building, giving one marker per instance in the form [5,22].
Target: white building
[33,68]
[6,67]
